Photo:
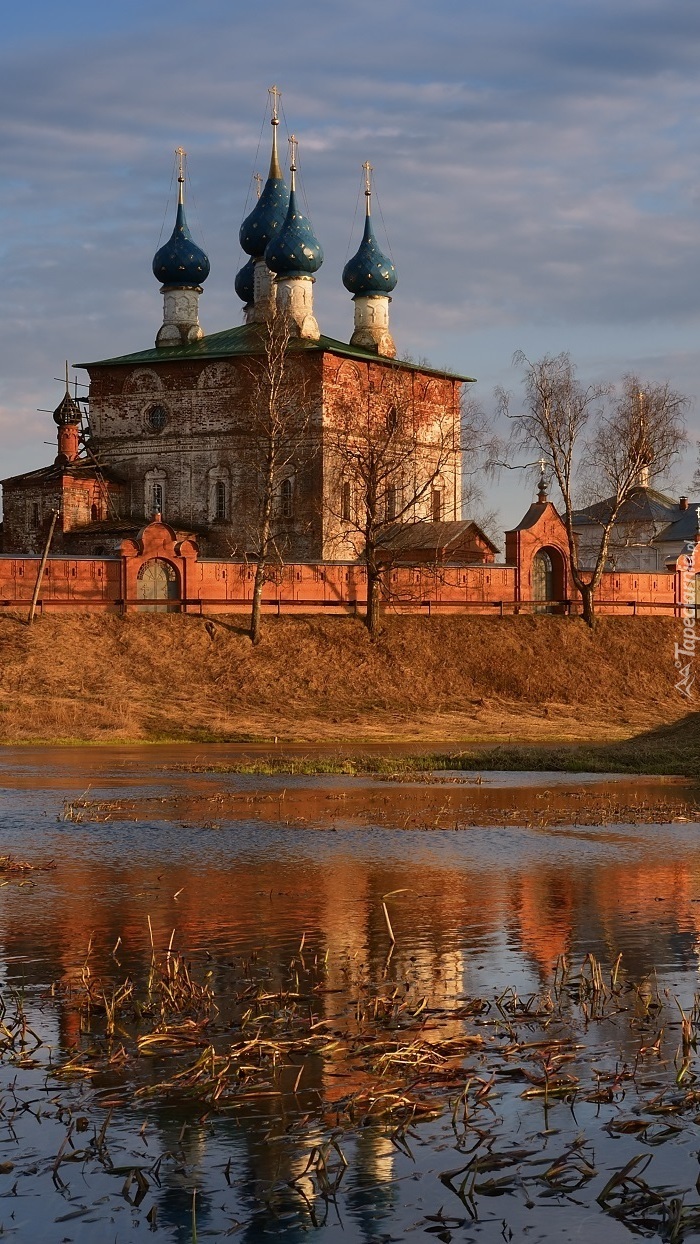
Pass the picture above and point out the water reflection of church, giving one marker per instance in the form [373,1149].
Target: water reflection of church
[447,927]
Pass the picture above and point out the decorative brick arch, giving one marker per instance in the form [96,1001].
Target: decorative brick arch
[143,381]
[349,377]
[158,542]
[542,529]
[217,376]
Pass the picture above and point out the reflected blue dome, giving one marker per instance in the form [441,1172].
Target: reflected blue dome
[245,282]
[181,262]
[295,251]
[369,271]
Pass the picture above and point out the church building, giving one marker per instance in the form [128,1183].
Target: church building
[177,429]
[197,457]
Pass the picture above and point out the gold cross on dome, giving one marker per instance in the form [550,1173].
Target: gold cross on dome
[293,148]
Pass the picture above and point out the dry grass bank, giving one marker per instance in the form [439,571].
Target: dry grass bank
[155,677]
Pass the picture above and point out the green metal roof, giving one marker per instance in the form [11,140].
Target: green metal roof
[246,339]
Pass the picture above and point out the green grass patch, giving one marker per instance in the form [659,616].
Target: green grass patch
[672,758]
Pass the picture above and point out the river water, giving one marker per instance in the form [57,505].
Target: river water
[305,877]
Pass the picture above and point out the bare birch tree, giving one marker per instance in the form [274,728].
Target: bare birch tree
[611,441]
[391,462]
[279,450]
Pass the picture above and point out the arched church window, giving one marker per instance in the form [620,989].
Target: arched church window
[436,505]
[218,485]
[154,492]
[286,498]
[392,420]
[220,500]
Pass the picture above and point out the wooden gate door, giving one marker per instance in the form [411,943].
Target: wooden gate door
[542,581]
[158,585]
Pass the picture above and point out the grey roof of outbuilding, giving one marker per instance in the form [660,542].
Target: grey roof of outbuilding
[685,527]
[107,526]
[644,505]
[441,536]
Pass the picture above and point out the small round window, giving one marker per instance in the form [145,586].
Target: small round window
[157,418]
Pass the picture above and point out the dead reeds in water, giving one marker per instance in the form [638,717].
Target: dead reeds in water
[14,870]
[324,1052]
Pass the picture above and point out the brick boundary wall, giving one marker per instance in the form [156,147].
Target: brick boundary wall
[204,585]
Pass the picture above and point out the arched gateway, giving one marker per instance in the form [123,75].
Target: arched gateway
[547,580]
[157,584]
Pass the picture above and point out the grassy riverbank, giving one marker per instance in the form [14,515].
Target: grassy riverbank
[673,751]
[499,687]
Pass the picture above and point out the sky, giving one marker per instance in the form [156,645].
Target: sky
[537,168]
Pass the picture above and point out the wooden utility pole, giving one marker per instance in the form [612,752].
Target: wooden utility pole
[42,567]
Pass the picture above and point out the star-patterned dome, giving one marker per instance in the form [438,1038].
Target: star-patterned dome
[268,215]
[245,282]
[180,263]
[295,250]
[369,271]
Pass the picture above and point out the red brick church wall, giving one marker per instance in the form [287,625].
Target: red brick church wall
[208,586]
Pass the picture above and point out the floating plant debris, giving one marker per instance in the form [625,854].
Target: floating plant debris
[443,803]
[214,1041]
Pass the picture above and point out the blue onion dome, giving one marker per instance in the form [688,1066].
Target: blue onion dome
[269,213]
[181,263]
[245,282]
[295,251]
[369,271]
